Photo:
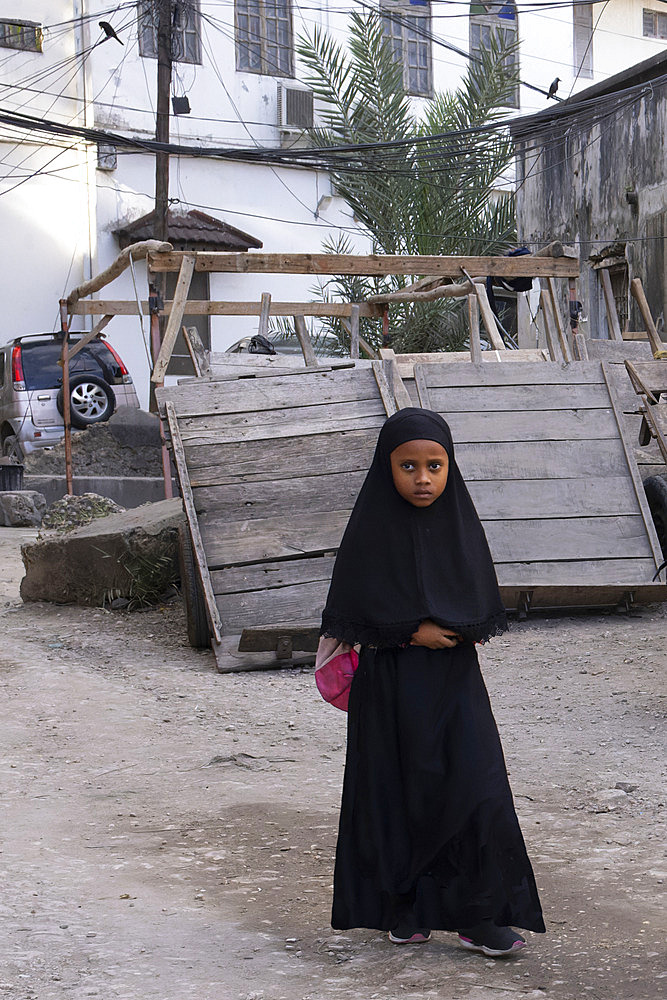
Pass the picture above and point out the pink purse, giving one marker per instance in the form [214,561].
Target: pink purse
[335,665]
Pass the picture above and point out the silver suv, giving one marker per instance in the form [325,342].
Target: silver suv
[31,395]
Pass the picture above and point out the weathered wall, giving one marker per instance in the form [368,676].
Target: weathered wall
[594,183]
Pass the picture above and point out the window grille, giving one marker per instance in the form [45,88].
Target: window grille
[407,27]
[185,30]
[264,40]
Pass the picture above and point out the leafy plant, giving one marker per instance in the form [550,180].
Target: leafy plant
[433,196]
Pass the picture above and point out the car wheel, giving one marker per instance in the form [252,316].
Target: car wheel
[12,449]
[91,400]
[199,633]
[655,488]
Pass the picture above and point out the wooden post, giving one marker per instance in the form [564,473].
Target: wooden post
[197,351]
[67,406]
[497,341]
[473,317]
[154,305]
[264,311]
[657,345]
[304,340]
[86,339]
[175,320]
[354,332]
[580,349]
[562,339]
[610,306]
[549,329]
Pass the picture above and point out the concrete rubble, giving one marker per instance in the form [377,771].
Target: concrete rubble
[21,508]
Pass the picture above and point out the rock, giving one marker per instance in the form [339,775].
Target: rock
[21,508]
[608,800]
[131,555]
[626,786]
[73,511]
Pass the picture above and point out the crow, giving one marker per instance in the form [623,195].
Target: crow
[553,88]
[109,31]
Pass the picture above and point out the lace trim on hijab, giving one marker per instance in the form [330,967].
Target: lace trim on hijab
[400,633]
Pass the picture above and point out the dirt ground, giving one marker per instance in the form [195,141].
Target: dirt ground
[168,832]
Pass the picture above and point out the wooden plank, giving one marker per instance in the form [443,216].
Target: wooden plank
[199,355]
[287,422]
[448,400]
[207,307]
[254,262]
[576,572]
[560,330]
[527,374]
[473,326]
[610,305]
[285,537]
[653,374]
[593,596]
[386,392]
[175,320]
[264,307]
[345,451]
[550,328]
[395,382]
[657,345]
[87,337]
[268,576]
[354,332]
[308,388]
[541,460]
[656,419]
[494,499]
[286,604]
[189,506]
[636,478]
[422,388]
[529,425]
[615,350]
[489,318]
[579,347]
[265,433]
[304,341]
[263,638]
[557,539]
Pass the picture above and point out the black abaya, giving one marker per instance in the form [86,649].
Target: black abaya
[428,830]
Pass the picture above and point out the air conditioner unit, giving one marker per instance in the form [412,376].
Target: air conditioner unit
[295,107]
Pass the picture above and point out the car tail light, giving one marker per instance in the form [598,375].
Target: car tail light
[17,368]
[123,369]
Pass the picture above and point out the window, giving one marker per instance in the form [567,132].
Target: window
[654,24]
[185,30]
[583,40]
[407,27]
[264,37]
[496,20]
[25,35]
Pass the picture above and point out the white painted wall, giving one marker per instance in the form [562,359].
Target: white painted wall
[58,225]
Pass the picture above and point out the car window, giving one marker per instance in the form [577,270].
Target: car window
[41,369]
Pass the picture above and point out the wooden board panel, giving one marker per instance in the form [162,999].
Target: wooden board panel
[529,373]
[239,542]
[576,572]
[494,500]
[201,396]
[268,576]
[584,596]
[291,423]
[191,426]
[616,350]
[483,398]
[542,460]
[527,425]
[299,603]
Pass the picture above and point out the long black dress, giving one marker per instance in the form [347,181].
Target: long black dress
[428,830]
[428,833]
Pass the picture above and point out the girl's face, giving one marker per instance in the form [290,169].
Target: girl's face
[420,469]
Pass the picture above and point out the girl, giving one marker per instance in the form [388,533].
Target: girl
[428,836]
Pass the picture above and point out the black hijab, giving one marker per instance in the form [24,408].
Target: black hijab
[399,564]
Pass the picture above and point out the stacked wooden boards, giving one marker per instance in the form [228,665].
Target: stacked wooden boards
[543,451]
[272,466]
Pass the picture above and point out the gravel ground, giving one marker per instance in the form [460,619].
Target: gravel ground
[169,831]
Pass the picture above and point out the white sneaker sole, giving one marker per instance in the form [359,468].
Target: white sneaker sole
[491,952]
[415,939]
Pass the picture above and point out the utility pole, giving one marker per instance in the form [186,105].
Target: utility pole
[158,289]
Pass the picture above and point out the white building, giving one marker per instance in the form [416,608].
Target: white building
[65,205]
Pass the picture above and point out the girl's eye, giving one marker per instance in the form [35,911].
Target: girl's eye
[435,466]
[407,466]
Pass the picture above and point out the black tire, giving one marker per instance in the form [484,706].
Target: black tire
[199,633]
[92,400]
[656,494]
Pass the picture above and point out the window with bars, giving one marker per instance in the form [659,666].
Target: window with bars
[654,23]
[496,20]
[26,35]
[407,27]
[264,40]
[583,39]
[185,30]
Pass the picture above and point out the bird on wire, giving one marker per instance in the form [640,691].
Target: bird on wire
[109,31]
[553,88]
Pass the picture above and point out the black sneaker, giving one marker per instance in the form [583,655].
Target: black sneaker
[491,940]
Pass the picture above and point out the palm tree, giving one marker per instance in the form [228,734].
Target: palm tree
[435,195]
